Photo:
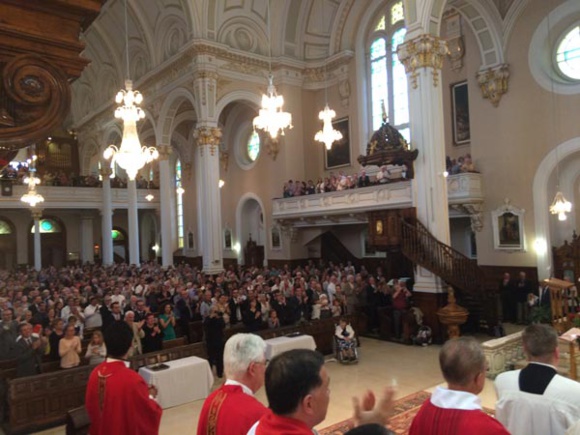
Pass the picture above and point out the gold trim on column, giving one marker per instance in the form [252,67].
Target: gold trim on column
[425,51]
[209,137]
[494,82]
[105,172]
[36,214]
[164,151]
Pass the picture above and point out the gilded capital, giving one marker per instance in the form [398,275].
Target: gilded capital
[36,214]
[209,137]
[425,51]
[494,82]
[105,172]
[164,151]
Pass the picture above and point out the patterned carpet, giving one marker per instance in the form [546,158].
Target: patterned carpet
[404,411]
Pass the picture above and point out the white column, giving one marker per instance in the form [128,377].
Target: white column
[133,222]
[87,240]
[107,219]
[210,215]
[36,215]
[165,192]
[423,58]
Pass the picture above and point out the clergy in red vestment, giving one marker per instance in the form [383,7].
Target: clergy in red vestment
[118,400]
[457,409]
[233,409]
[297,386]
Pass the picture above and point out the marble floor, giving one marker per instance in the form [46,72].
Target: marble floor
[413,368]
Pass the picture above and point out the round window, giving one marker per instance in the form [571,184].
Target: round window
[253,146]
[568,54]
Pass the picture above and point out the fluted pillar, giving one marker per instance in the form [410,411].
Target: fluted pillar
[423,59]
[165,192]
[36,215]
[133,222]
[87,240]
[107,219]
[210,218]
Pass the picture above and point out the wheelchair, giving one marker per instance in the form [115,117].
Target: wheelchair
[341,355]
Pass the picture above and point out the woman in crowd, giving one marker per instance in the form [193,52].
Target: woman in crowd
[167,322]
[69,348]
[264,307]
[54,338]
[345,338]
[96,351]
[273,320]
[252,316]
[138,334]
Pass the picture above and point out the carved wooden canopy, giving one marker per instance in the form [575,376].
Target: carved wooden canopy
[39,57]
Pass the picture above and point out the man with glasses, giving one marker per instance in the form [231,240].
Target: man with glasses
[233,409]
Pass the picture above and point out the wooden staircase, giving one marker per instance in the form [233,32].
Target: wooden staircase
[457,270]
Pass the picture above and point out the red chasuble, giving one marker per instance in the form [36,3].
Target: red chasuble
[433,420]
[118,402]
[229,411]
[272,424]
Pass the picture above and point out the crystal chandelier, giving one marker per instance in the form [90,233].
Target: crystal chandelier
[560,206]
[131,156]
[32,197]
[271,117]
[327,135]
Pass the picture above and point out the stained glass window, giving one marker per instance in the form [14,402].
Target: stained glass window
[568,54]
[397,13]
[179,203]
[5,228]
[117,236]
[381,25]
[253,146]
[47,226]
[388,80]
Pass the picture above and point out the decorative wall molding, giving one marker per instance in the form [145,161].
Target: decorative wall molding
[494,82]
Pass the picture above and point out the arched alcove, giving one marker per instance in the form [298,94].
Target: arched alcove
[52,242]
[251,223]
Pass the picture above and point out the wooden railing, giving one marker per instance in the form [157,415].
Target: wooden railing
[419,245]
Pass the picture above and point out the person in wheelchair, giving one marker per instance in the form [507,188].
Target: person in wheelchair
[345,341]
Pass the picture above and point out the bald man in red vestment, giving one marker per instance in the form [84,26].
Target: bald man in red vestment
[233,409]
[118,400]
[457,409]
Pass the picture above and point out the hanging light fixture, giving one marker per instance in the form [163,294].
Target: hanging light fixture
[271,117]
[328,135]
[131,156]
[32,197]
[560,205]
[149,197]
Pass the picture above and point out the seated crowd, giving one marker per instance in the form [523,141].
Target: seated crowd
[50,310]
[334,182]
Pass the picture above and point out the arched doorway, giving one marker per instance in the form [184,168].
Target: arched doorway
[52,242]
[120,247]
[7,244]
[251,224]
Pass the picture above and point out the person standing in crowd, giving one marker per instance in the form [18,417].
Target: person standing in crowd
[167,322]
[69,348]
[117,399]
[214,326]
[8,333]
[96,350]
[232,408]
[152,340]
[28,352]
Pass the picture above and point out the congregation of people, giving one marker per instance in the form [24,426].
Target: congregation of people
[53,310]
[459,165]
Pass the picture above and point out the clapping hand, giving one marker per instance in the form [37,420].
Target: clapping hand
[369,411]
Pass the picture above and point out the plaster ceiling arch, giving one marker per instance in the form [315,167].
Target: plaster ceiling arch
[169,110]
[241,33]
[171,33]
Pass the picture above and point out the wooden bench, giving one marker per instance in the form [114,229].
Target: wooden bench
[170,344]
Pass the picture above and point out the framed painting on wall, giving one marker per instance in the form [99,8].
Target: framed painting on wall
[339,155]
[227,239]
[508,228]
[276,238]
[460,113]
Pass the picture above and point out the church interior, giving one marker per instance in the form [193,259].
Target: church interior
[194,135]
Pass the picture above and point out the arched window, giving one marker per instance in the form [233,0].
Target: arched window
[5,228]
[179,203]
[253,146]
[388,81]
[568,54]
[48,226]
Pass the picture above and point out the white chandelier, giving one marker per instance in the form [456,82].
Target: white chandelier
[131,156]
[560,206]
[32,197]
[272,117]
[327,135]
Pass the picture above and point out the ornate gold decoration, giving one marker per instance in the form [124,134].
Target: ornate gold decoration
[225,159]
[36,214]
[272,147]
[209,137]
[494,82]
[164,151]
[425,51]
[105,172]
